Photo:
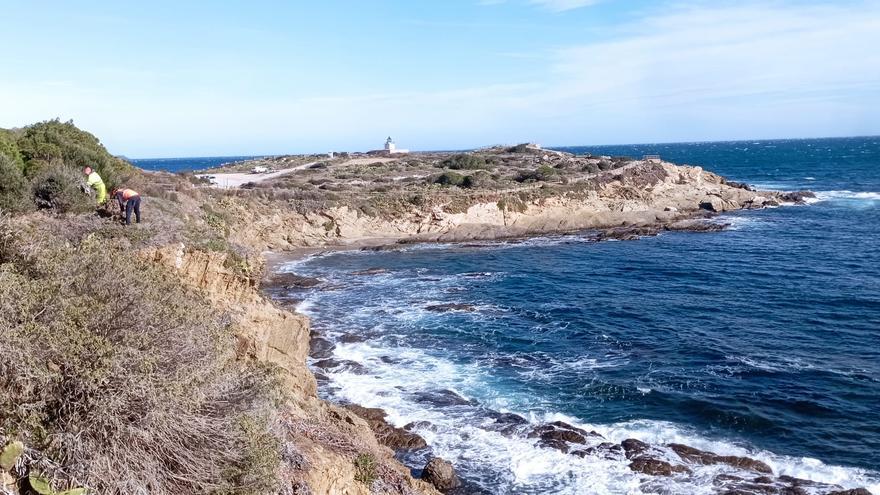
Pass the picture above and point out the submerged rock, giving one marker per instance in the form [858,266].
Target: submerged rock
[370,271]
[293,281]
[442,398]
[345,364]
[388,435]
[441,474]
[444,308]
[350,338]
[320,348]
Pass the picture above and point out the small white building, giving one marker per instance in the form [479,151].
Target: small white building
[392,148]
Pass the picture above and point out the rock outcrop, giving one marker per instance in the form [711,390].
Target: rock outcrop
[641,195]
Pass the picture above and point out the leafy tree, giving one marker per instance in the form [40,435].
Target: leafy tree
[48,143]
[9,148]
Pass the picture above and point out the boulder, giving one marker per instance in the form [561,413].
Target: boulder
[796,196]
[553,433]
[441,474]
[854,491]
[633,447]
[345,364]
[606,450]
[320,348]
[656,467]
[388,435]
[698,456]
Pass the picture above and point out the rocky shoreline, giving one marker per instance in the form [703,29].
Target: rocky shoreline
[742,475]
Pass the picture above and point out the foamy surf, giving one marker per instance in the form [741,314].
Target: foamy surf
[461,430]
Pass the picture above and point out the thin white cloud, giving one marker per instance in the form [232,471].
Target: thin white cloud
[551,5]
[563,5]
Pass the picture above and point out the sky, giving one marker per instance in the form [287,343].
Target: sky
[206,78]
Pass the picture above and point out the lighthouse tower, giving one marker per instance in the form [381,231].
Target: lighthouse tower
[389,145]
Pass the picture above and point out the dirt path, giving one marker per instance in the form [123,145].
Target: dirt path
[238,179]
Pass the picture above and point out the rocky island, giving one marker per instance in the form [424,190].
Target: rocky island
[204,387]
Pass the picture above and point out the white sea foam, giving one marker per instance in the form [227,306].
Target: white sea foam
[848,195]
[515,464]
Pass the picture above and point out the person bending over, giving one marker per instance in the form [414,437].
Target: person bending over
[95,182]
[128,200]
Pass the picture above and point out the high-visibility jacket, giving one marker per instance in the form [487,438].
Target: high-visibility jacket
[95,182]
[126,194]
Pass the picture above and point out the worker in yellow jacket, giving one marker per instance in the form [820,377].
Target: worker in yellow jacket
[95,182]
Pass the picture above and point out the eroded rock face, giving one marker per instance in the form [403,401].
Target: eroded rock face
[441,474]
[388,435]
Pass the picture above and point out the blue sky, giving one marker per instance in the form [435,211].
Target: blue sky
[228,78]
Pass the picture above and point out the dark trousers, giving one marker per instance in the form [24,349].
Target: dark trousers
[133,204]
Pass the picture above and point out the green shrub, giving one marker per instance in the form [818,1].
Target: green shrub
[9,148]
[520,148]
[365,469]
[449,179]
[45,143]
[122,378]
[60,187]
[476,181]
[541,174]
[15,190]
[465,161]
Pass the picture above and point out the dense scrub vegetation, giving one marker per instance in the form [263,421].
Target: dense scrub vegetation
[41,164]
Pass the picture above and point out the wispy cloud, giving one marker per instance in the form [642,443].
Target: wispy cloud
[551,5]
[563,5]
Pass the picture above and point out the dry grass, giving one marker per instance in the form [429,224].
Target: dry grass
[122,378]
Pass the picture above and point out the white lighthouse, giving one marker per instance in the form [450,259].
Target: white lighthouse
[392,148]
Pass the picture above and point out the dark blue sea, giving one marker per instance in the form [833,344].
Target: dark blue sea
[186,164]
[761,340]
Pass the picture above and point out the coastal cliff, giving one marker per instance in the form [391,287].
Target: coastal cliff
[328,438]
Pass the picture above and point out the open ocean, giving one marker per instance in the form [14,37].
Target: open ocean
[761,340]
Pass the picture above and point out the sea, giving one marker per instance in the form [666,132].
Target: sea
[762,340]
[190,164]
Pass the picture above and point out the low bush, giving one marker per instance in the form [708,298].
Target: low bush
[123,379]
[15,190]
[60,187]
[541,174]
[449,179]
[465,161]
